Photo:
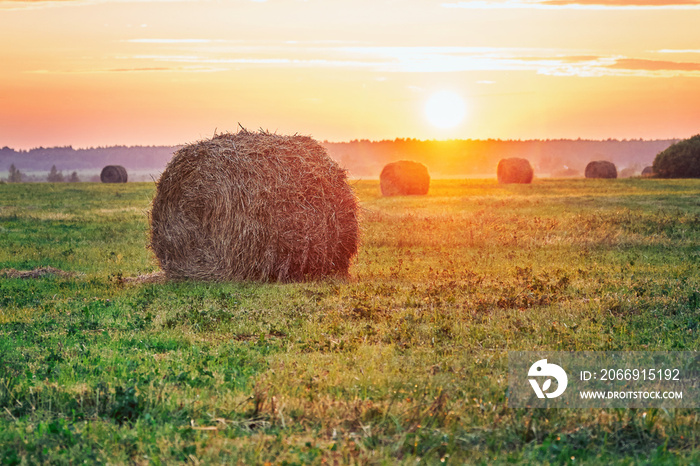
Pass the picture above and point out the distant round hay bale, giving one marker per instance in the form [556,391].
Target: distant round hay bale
[627,172]
[514,170]
[404,178]
[648,171]
[113,174]
[601,169]
[254,206]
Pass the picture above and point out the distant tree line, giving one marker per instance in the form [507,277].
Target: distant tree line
[15,175]
[364,158]
[151,158]
[56,176]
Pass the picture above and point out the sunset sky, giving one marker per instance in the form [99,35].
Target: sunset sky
[105,72]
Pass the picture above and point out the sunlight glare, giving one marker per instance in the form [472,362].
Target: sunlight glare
[445,109]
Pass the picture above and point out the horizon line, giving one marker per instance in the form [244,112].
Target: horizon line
[356,140]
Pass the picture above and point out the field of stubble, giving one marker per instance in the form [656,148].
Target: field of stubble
[405,362]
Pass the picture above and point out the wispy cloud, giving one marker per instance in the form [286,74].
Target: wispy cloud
[654,65]
[34,2]
[622,66]
[382,59]
[689,51]
[66,2]
[626,3]
[577,4]
[169,41]
[39,4]
[132,70]
[473,4]
[543,61]
[551,62]
[279,61]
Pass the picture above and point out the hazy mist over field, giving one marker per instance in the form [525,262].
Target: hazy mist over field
[363,158]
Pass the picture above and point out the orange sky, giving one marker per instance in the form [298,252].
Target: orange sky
[103,72]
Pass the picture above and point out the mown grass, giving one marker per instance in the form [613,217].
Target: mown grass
[405,362]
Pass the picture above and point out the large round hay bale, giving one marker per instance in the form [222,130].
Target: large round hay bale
[514,170]
[113,174]
[648,171]
[404,178]
[254,206]
[601,169]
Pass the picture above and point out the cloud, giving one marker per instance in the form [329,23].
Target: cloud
[678,51]
[273,61]
[577,4]
[137,70]
[155,69]
[634,64]
[381,59]
[9,5]
[623,66]
[19,2]
[132,70]
[73,2]
[625,3]
[543,61]
[551,62]
[441,59]
[169,41]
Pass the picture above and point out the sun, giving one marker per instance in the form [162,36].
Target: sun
[445,109]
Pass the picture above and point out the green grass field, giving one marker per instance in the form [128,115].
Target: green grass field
[405,362]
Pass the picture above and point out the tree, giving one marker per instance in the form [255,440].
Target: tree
[74,178]
[55,176]
[15,175]
[681,160]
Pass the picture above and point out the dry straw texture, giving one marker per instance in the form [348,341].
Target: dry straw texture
[514,170]
[35,273]
[113,174]
[254,206]
[153,277]
[601,169]
[404,177]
